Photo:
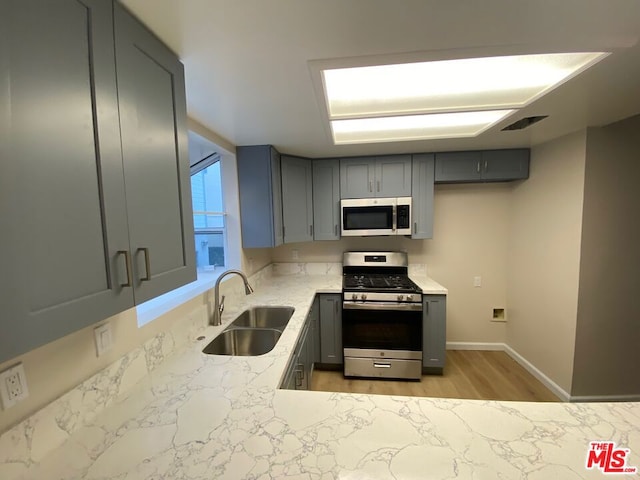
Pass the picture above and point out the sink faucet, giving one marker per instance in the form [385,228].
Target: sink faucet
[219,303]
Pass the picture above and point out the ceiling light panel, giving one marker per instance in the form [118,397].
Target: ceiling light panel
[449,85]
[414,127]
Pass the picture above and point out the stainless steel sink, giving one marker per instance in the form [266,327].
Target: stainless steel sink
[264,317]
[254,332]
[243,341]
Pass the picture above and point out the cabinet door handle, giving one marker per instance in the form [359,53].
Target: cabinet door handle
[335,227]
[335,303]
[415,227]
[311,230]
[393,219]
[127,263]
[370,186]
[378,185]
[486,165]
[147,264]
[478,167]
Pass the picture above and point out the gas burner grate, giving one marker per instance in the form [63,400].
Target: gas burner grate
[378,282]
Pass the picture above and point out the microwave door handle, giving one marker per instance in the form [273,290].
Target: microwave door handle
[394,219]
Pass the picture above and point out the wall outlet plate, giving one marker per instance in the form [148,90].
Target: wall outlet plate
[104,341]
[13,386]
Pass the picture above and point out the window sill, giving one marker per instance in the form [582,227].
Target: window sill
[152,309]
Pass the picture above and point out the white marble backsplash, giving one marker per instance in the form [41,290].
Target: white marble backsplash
[32,439]
[307,268]
[418,269]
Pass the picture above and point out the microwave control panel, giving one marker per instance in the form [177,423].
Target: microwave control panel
[403,216]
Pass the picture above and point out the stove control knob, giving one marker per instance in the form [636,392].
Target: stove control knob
[400,298]
[354,296]
[363,297]
[409,298]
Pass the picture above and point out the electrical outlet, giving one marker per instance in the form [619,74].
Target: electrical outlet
[477,281]
[295,254]
[13,386]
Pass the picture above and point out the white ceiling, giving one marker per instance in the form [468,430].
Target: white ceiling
[249,76]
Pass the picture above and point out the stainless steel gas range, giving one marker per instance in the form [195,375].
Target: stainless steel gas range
[381,316]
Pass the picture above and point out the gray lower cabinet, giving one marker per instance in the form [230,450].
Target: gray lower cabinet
[326,199]
[482,166]
[383,176]
[260,191]
[300,368]
[297,199]
[153,121]
[434,333]
[66,250]
[314,319]
[331,352]
[422,176]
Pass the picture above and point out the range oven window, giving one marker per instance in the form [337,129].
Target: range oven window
[382,329]
[368,218]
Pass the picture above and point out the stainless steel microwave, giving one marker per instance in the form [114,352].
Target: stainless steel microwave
[363,217]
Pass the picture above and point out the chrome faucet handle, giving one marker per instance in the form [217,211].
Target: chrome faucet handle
[221,307]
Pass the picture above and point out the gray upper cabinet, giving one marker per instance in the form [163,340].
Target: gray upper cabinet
[153,118]
[385,176]
[260,190]
[422,187]
[326,199]
[357,176]
[458,167]
[66,251]
[482,166]
[434,333]
[63,201]
[297,199]
[393,176]
[511,164]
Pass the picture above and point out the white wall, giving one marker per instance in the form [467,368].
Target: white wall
[470,238]
[544,256]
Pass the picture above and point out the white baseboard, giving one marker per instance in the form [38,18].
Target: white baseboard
[533,370]
[528,366]
[605,398]
[475,346]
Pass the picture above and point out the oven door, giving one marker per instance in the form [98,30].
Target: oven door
[380,329]
[363,217]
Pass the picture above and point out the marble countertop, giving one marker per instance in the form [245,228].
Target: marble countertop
[201,417]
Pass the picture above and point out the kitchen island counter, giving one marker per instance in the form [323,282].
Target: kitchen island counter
[201,417]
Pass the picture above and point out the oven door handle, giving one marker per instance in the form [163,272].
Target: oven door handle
[391,306]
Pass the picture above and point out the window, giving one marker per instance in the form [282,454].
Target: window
[208,213]
[216,221]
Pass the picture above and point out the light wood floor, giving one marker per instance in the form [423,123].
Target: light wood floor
[470,374]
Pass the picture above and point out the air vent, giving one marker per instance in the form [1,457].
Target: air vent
[524,123]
